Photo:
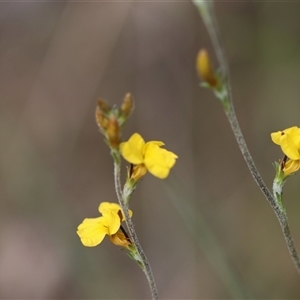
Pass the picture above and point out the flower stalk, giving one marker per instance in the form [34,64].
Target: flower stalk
[142,157]
[139,255]
[223,94]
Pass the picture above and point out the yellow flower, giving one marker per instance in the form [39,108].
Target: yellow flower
[93,230]
[289,141]
[148,156]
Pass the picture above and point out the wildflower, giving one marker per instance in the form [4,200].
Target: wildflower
[93,230]
[289,141]
[205,69]
[148,156]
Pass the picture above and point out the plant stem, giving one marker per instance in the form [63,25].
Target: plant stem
[208,16]
[277,208]
[132,233]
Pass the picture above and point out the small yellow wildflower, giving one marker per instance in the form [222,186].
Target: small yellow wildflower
[289,141]
[147,156]
[93,230]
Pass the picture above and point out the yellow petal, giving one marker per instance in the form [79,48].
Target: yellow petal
[113,222]
[294,133]
[120,239]
[132,150]
[121,214]
[291,130]
[110,212]
[92,231]
[291,166]
[288,147]
[107,208]
[158,143]
[275,136]
[159,161]
[138,172]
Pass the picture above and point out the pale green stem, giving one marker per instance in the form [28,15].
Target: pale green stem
[277,193]
[207,13]
[145,265]
[276,200]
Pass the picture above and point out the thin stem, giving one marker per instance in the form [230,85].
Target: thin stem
[277,208]
[208,16]
[132,233]
[247,156]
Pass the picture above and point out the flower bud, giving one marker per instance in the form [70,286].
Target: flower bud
[101,120]
[103,106]
[204,68]
[113,132]
[127,105]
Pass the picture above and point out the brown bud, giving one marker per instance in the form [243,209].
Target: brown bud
[113,132]
[103,106]
[205,69]
[101,120]
[127,106]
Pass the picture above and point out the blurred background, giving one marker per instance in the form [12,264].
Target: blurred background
[207,230]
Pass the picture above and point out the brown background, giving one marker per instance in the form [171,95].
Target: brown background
[55,60]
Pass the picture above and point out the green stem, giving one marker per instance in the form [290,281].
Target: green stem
[273,200]
[277,193]
[144,263]
[208,16]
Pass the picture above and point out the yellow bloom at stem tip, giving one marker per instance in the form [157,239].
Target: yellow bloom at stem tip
[93,230]
[148,156]
[289,141]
